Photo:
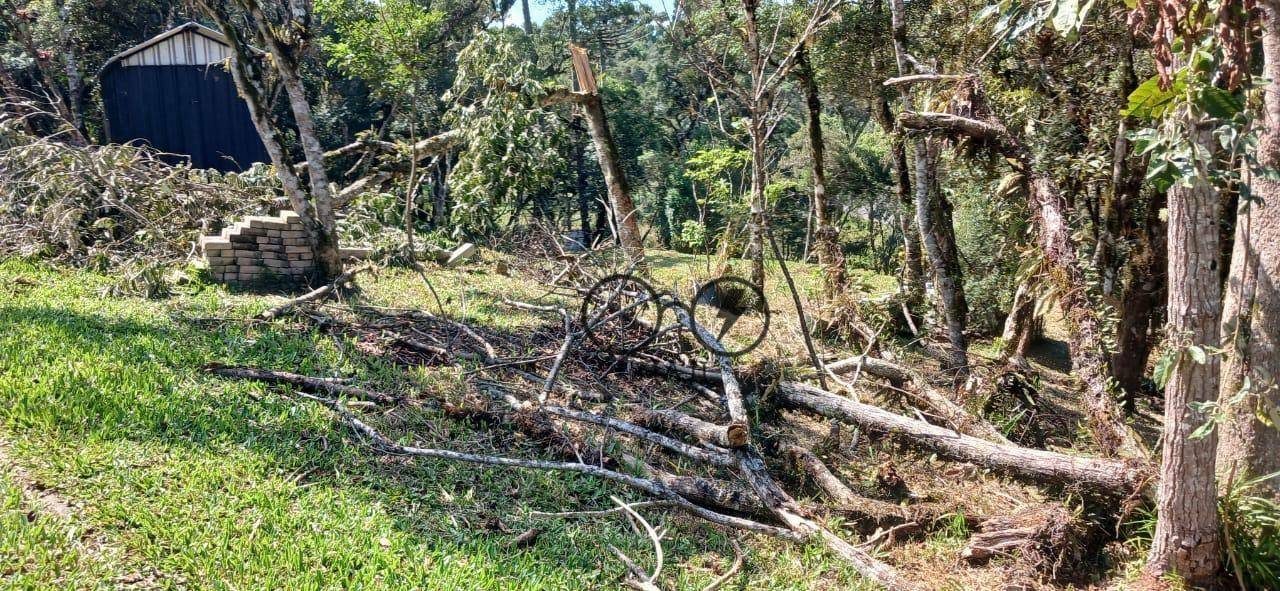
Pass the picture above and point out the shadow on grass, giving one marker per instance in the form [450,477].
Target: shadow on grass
[197,472]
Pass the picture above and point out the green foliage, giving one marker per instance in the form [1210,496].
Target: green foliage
[387,41]
[1014,18]
[1251,525]
[693,235]
[511,147]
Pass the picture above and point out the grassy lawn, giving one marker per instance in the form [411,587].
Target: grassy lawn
[181,480]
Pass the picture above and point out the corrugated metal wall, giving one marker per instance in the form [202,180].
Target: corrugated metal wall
[175,95]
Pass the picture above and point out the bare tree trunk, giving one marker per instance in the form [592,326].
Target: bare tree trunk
[758,107]
[323,229]
[624,210]
[528,20]
[71,65]
[1251,318]
[1186,540]
[1019,327]
[912,265]
[933,215]
[314,207]
[1106,476]
[580,179]
[826,237]
[755,238]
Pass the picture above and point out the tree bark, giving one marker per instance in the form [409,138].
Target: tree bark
[1105,476]
[615,179]
[919,391]
[1251,318]
[528,20]
[933,215]
[71,66]
[1186,540]
[322,228]
[730,436]
[757,109]
[826,237]
[1019,327]
[912,262]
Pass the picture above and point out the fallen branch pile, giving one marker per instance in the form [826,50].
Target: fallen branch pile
[693,443]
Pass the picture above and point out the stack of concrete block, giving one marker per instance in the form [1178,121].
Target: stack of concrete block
[259,250]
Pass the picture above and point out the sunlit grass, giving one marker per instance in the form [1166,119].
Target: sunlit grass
[226,485]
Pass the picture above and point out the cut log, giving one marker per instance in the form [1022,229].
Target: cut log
[1096,475]
[731,435]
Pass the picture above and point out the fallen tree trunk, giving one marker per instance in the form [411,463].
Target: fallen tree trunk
[1103,476]
[914,386]
[751,468]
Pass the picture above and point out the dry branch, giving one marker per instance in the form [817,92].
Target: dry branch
[320,293]
[751,468]
[381,444]
[699,454]
[306,383]
[918,389]
[916,78]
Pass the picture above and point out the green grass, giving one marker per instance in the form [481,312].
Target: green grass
[210,484]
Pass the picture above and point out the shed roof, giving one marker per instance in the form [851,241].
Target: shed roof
[191,27]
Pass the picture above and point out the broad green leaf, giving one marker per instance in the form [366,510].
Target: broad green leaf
[1219,103]
[1149,101]
[1164,368]
[1203,430]
[1197,354]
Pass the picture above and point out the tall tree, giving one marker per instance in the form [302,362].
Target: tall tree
[768,61]
[827,237]
[933,215]
[283,31]
[1250,444]
[1186,540]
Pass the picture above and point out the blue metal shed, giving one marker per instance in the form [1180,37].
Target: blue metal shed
[175,93]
